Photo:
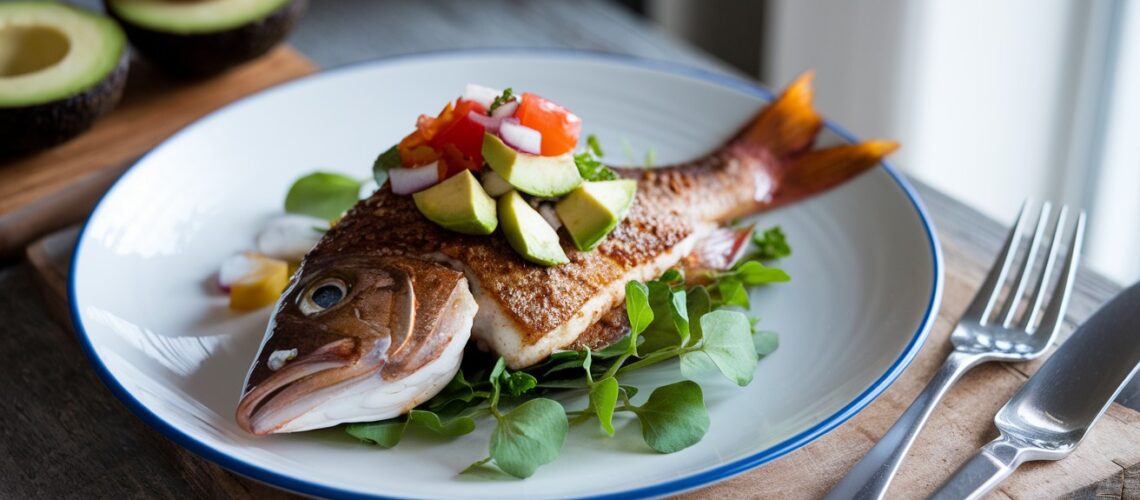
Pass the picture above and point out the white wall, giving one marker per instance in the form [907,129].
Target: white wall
[992,101]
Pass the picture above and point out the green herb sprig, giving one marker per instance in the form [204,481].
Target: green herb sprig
[589,165]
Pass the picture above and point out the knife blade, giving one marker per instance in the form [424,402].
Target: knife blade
[1049,416]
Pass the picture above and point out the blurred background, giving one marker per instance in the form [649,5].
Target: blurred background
[992,101]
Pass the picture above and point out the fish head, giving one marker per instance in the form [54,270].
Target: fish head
[357,338]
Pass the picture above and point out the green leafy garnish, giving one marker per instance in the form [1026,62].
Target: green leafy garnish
[669,320]
[387,433]
[501,99]
[591,169]
[728,343]
[529,436]
[674,417]
[386,161]
[771,244]
[323,194]
[592,143]
[603,399]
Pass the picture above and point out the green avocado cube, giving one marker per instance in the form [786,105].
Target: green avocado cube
[528,233]
[542,176]
[594,209]
[459,204]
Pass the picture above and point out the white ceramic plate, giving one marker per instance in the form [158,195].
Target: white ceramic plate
[866,277]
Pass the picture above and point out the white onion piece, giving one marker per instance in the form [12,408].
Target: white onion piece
[480,94]
[506,110]
[234,268]
[411,180]
[546,210]
[489,123]
[522,138]
[289,237]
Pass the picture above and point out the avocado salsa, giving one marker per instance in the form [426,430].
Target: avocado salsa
[492,159]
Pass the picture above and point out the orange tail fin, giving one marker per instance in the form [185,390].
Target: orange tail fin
[789,124]
[822,169]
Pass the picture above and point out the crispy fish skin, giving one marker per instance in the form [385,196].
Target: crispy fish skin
[459,284]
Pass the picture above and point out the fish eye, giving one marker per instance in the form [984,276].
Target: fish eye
[323,295]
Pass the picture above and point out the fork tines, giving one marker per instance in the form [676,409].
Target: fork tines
[984,309]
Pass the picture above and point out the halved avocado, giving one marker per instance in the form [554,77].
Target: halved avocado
[61,68]
[205,37]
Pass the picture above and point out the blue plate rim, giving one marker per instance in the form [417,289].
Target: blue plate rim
[675,486]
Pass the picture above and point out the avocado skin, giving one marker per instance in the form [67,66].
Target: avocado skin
[199,55]
[29,128]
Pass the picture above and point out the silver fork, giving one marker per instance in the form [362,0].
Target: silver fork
[984,333]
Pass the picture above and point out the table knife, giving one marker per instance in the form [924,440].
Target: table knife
[1048,417]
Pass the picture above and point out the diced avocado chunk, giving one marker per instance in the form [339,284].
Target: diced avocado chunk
[528,233]
[459,204]
[594,209]
[543,176]
[494,184]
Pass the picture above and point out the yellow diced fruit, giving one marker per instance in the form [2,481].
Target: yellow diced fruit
[261,287]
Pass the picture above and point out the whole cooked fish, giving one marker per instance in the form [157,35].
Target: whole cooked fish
[376,318]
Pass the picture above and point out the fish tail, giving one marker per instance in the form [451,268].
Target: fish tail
[787,126]
[819,170]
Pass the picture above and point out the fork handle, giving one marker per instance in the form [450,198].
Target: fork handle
[989,467]
[872,475]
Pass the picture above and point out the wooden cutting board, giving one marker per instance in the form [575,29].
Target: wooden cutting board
[1107,465]
[57,187]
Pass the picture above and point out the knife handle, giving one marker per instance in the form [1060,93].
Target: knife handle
[982,473]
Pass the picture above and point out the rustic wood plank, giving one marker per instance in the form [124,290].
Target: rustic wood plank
[55,188]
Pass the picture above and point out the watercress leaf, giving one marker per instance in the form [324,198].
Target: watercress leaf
[755,273]
[637,307]
[386,161]
[728,342]
[679,310]
[662,331]
[674,417]
[696,365]
[458,389]
[629,390]
[592,142]
[588,360]
[385,433]
[617,349]
[766,342]
[771,244]
[322,194]
[673,276]
[732,292]
[529,436]
[698,302]
[564,355]
[603,398]
[452,427]
[565,365]
[497,372]
[518,383]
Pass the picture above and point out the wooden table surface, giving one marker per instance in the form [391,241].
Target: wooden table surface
[65,435]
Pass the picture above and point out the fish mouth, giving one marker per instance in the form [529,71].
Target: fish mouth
[304,383]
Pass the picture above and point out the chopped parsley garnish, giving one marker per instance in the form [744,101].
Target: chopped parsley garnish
[505,97]
[771,244]
[588,165]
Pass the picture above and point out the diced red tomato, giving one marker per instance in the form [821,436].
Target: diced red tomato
[463,132]
[559,127]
